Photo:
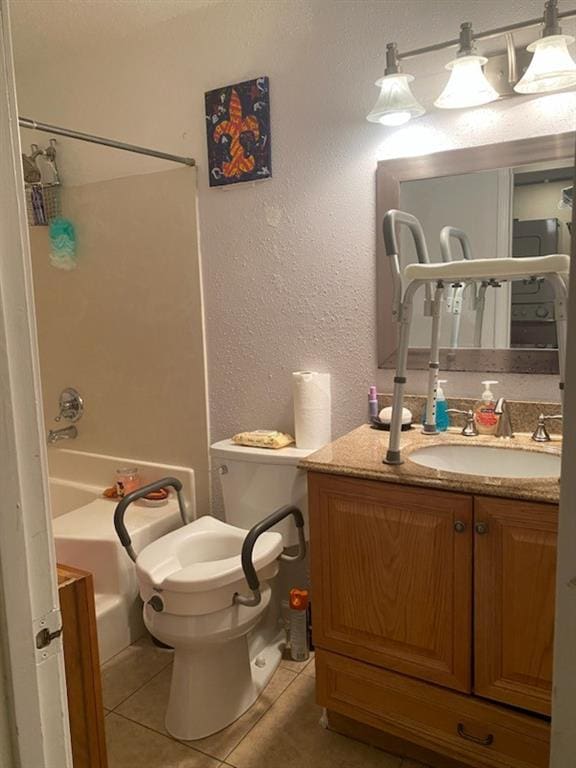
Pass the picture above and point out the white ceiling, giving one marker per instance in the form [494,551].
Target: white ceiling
[41,28]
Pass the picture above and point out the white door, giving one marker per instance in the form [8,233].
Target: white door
[564,690]
[36,692]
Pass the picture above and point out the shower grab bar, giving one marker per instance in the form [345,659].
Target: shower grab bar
[248,549]
[139,493]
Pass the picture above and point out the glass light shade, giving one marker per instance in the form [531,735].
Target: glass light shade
[552,67]
[396,104]
[467,86]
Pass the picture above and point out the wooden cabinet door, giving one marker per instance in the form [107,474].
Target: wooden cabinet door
[392,576]
[81,659]
[515,575]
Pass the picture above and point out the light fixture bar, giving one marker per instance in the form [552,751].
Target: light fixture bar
[496,32]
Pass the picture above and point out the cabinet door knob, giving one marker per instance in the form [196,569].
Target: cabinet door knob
[485,741]
[459,526]
[481,528]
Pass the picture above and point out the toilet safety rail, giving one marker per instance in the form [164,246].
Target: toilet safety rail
[140,493]
[248,549]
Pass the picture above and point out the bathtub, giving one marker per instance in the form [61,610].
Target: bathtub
[85,538]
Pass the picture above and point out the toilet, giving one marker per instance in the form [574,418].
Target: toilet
[225,652]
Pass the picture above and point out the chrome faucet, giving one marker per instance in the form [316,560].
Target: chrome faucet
[469,429]
[541,434]
[504,428]
[71,408]
[66,433]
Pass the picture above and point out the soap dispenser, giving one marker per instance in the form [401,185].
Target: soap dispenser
[485,416]
[442,416]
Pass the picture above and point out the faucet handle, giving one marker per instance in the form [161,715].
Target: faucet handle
[541,434]
[71,405]
[469,429]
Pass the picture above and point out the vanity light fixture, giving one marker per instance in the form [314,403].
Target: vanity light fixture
[396,104]
[552,67]
[467,86]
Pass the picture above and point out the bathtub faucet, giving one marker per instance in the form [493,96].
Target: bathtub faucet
[66,433]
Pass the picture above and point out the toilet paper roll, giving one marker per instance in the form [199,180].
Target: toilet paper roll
[312,409]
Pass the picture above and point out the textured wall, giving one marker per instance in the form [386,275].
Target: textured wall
[289,263]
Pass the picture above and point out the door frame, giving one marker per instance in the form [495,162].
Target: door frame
[35,680]
[564,687]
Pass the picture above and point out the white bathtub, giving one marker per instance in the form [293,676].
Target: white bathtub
[85,538]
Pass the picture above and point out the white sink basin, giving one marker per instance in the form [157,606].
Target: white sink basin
[488,461]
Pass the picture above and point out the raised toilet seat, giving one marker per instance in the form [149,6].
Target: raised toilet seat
[210,589]
[188,580]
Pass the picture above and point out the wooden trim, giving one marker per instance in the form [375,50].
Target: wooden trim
[82,662]
[390,174]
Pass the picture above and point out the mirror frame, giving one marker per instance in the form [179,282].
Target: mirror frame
[488,157]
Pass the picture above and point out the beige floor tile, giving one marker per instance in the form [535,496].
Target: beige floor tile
[148,707]
[296,666]
[310,668]
[132,746]
[290,736]
[131,669]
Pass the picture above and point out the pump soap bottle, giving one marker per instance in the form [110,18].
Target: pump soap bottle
[485,416]
[442,416]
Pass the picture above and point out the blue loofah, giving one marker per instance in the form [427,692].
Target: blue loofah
[62,244]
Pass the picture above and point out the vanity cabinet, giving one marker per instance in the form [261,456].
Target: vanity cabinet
[433,611]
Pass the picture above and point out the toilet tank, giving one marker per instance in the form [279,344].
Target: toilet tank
[257,481]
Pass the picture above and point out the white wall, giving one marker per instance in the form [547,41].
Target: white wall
[289,264]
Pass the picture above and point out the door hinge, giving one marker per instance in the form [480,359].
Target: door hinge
[47,629]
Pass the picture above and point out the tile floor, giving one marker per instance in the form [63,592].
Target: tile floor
[281,730]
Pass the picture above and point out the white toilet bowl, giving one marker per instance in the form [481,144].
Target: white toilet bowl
[188,580]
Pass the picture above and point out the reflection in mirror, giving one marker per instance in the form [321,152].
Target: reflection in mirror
[519,212]
[511,200]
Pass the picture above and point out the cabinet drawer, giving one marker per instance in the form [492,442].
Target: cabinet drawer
[476,733]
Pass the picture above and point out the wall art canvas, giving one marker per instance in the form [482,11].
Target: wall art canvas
[238,132]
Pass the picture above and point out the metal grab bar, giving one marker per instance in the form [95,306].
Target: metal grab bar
[248,549]
[390,224]
[457,234]
[139,493]
[394,217]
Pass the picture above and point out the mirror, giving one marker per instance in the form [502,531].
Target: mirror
[512,200]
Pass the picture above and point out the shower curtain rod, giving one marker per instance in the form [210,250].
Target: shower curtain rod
[25,122]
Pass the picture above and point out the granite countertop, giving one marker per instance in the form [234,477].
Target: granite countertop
[360,454]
